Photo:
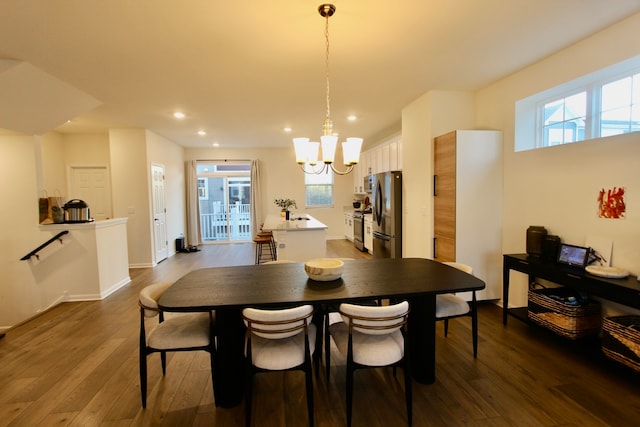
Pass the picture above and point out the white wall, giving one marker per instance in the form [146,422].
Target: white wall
[170,155]
[281,177]
[52,163]
[22,294]
[86,148]
[130,179]
[58,152]
[557,187]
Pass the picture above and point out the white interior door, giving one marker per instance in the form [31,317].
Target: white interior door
[91,184]
[159,213]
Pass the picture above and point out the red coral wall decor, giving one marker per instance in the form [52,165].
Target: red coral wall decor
[611,203]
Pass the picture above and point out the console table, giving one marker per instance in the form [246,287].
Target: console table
[623,291]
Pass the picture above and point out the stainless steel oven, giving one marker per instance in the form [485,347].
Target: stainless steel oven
[358,230]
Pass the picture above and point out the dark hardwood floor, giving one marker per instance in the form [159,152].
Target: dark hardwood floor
[77,365]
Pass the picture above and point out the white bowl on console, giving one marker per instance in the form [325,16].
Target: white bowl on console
[324,269]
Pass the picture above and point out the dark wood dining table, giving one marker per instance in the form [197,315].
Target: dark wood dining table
[228,290]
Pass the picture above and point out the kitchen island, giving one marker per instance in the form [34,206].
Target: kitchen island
[299,239]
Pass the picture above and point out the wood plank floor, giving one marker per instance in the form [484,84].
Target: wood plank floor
[77,365]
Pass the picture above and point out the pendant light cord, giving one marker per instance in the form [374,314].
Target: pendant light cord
[326,36]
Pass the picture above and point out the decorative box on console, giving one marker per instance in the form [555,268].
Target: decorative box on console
[562,311]
[621,340]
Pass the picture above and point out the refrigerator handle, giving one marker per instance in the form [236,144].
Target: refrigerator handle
[378,203]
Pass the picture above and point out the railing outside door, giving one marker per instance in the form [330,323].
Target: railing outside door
[217,226]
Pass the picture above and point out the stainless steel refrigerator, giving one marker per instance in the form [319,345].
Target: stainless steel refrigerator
[387,215]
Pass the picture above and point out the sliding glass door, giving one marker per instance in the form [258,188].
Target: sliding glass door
[224,193]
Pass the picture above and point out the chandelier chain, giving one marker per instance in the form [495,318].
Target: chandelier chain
[326,37]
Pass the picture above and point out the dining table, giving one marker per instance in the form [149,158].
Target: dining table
[228,290]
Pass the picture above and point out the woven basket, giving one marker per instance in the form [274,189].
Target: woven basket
[621,340]
[570,321]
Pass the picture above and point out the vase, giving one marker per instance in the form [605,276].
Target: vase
[287,214]
[283,213]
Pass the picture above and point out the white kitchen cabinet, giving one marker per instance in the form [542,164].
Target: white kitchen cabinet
[368,233]
[359,173]
[367,163]
[348,226]
[357,178]
[468,204]
[383,158]
[395,155]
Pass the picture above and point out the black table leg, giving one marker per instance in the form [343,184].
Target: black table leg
[228,378]
[422,338]
[505,292]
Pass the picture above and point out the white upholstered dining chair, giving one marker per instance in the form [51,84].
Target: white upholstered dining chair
[373,336]
[449,306]
[174,332]
[279,340]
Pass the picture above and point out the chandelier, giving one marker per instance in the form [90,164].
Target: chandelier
[307,151]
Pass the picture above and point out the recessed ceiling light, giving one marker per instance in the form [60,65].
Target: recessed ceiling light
[179,115]
[201,133]
[215,144]
[288,129]
[352,118]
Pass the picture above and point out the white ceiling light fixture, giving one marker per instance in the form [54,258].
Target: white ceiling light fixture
[307,151]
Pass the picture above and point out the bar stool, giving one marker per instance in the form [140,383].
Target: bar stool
[269,234]
[260,241]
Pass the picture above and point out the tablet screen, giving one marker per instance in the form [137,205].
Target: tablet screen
[573,255]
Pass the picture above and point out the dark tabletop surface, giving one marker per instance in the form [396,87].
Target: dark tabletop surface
[277,284]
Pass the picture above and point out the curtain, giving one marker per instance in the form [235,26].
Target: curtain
[193,204]
[256,200]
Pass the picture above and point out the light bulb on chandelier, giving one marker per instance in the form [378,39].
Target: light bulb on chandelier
[307,151]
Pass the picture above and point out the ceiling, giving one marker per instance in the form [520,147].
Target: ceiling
[243,71]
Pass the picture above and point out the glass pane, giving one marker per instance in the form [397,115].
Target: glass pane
[319,195]
[213,215]
[202,168]
[616,94]
[615,122]
[575,106]
[573,131]
[239,209]
[321,178]
[553,111]
[635,118]
[554,134]
[225,213]
[635,93]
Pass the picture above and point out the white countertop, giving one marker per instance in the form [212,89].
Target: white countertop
[83,225]
[278,223]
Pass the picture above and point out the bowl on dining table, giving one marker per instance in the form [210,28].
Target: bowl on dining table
[324,269]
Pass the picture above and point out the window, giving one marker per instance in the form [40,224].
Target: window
[564,120]
[224,190]
[203,189]
[318,189]
[620,106]
[598,105]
